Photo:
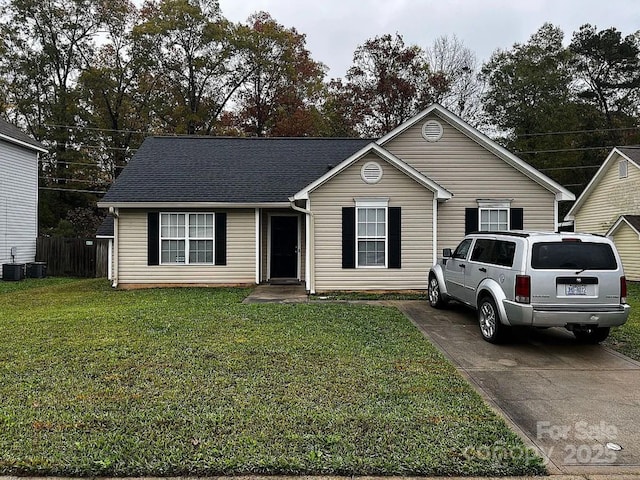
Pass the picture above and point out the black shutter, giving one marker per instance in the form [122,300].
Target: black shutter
[348,237]
[221,239]
[470,220]
[517,219]
[394,237]
[153,238]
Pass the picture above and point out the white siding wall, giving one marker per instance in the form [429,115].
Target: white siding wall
[132,254]
[628,245]
[611,197]
[18,203]
[471,172]
[416,203]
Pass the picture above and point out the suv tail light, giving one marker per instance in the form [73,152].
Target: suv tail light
[523,289]
[623,290]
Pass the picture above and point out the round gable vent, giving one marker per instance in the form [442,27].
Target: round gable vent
[371,172]
[432,131]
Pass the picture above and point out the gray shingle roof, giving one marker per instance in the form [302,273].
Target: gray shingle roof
[222,169]
[633,152]
[634,220]
[15,133]
[106,227]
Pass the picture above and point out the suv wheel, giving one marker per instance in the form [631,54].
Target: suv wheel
[592,335]
[435,297]
[491,328]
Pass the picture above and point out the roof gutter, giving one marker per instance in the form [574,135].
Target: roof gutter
[189,205]
[20,143]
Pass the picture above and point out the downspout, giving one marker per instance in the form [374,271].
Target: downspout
[434,232]
[116,241]
[309,277]
[258,249]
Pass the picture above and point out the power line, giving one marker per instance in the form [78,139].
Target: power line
[568,168]
[95,129]
[571,132]
[75,190]
[561,150]
[76,180]
[61,162]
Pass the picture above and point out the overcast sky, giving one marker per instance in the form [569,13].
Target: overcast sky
[334,28]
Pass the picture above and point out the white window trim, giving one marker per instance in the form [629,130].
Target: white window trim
[364,203]
[489,205]
[186,239]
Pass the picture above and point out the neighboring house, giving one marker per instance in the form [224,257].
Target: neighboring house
[337,214]
[18,195]
[610,205]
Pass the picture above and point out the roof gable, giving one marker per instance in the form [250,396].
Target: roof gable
[633,221]
[12,134]
[632,154]
[484,141]
[439,192]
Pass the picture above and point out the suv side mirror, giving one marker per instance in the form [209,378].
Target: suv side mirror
[446,253]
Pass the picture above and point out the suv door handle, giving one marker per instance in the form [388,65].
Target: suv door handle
[462,265]
[483,270]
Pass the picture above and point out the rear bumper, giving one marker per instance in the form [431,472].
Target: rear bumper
[561,316]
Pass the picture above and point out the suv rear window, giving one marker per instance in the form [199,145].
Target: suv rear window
[497,252]
[578,255]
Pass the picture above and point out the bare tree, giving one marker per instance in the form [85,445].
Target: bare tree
[453,77]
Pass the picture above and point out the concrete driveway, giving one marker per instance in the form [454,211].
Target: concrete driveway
[566,399]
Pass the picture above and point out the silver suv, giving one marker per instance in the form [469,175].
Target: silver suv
[537,279]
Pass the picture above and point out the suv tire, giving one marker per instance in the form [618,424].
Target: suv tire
[434,294]
[491,328]
[592,335]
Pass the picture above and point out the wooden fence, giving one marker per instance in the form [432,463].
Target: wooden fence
[73,257]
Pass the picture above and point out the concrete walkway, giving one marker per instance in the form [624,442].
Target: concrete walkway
[278,294]
[566,399]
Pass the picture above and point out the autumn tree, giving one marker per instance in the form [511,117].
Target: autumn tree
[283,86]
[195,51]
[384,83]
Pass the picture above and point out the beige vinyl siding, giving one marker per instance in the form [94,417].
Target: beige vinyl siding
[611,197]
[18,203]
[470,172]
[265,247]
[132,254]
[416,203]
[628,245]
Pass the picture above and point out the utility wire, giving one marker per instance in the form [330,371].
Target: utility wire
[568,168]
[95,129]
[572,132]
[53,163]
[560,150]
[76,180]
[75,190]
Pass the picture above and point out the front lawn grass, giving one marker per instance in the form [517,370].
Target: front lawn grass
[626,339]
[99,382]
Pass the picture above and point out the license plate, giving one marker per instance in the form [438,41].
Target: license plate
[575,289]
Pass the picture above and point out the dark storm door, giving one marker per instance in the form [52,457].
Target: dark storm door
[284,247]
